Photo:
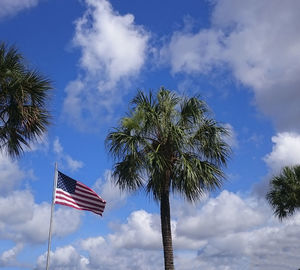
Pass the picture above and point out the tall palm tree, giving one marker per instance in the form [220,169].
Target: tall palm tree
[166,144]
[23,99]
[284,194]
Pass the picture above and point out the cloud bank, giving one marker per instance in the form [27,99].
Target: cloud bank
[230,231]
[259,42]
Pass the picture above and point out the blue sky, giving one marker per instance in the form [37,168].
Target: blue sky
[241,57]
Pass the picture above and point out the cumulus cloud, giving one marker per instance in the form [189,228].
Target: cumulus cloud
[259,41]
[16,207]
[110,43]
[100,255]
[227,232]
[227,209]
[142,230]
[92,243]
[9,257]
[113,50]
[64,258]
[10,174]
[285,151]
[36,229]
[193,53]
[125,259]
[239,233]
[24,221]
[12,7]
[113,196]
[65,159]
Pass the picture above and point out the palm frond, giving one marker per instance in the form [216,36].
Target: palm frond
[209,142]
[192,111]
[193,177]
[24,95]
[127,174]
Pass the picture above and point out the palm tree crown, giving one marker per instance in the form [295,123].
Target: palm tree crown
[284,195]
[167,143]
[23,97]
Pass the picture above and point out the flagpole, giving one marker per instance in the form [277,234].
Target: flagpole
[51,217]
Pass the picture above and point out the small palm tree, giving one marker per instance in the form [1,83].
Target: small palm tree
[284,194]
[166,144]
[23,97]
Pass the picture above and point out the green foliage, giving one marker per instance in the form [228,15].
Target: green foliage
[23,97]
[166,133]
[284,194]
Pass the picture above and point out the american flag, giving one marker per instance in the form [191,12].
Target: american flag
[72,193]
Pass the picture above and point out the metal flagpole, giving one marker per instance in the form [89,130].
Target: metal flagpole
[51,217]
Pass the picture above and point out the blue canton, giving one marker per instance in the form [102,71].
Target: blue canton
[66,183]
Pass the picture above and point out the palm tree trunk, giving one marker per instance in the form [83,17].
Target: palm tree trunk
[165,217]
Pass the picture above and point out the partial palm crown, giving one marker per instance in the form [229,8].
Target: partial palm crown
[284,195]
[23,98]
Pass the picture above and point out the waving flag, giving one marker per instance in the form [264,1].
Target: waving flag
[72,193]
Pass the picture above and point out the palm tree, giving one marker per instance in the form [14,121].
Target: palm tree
[23,97]
[284,194]
[168,144]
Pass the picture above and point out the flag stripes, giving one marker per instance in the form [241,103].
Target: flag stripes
[62,196]
[72,193]
[81,208]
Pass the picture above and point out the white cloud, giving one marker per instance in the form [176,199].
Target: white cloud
[24,221]
[36,229]
[64,258]
[66,221]
[100,256]
[93,243]
[124,259]
[259,41]
[9,257]
[73,164]
[228,210]
[10,174]
[12,7]
[111,43]
[193,53]
[285,151]
[113,50]
[142,230]
[111,192]
[16,208]
[57,148]
[239,233]
[65,159]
